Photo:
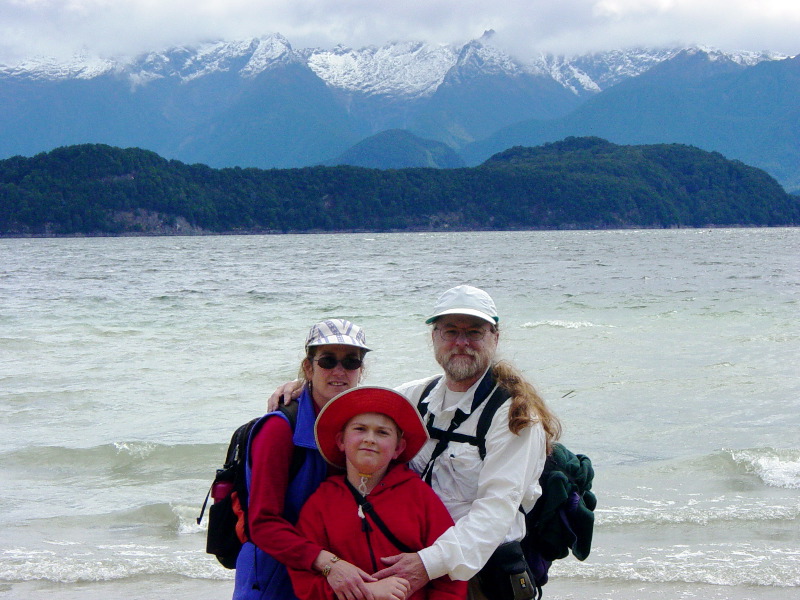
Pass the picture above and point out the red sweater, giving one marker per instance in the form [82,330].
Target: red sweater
[409,508]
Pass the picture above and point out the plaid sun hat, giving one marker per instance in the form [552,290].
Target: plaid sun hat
[337,331]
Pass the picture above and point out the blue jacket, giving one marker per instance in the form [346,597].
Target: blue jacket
[258,575]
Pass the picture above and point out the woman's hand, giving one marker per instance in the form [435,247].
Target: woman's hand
[391,588]
[286,393]
[351,583]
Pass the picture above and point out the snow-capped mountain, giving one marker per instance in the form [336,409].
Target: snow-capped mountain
[405,69]
[49,69]
[402,69]
[247,58]
[596,72]
[262,103]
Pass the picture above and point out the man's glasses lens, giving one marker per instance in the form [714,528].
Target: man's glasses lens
[473,335]
[349,363]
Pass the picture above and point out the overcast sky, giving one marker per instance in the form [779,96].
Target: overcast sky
[111,28]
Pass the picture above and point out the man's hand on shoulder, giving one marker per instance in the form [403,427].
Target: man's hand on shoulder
[284,394]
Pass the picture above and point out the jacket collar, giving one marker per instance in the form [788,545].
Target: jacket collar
[306,416]
[396,474]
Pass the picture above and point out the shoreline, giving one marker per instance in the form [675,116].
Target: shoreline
[204,233]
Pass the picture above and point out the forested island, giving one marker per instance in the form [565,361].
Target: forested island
[578,183]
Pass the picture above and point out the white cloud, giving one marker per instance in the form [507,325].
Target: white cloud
[526,27]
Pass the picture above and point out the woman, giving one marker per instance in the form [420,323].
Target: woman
[335,351]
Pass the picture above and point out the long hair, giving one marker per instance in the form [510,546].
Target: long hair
[527,406]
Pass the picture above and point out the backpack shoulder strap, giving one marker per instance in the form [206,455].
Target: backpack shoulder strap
[496,397]
[443,439]
[289,411]
[493,403]
[238,446]
[422,406]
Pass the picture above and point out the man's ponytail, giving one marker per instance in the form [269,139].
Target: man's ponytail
[527,407]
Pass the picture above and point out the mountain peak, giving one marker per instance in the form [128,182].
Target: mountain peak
[694,64]
[247,57]
[411,69]
[481,57]
[399,149]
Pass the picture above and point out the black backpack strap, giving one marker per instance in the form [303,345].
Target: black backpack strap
[494,402]
[422,406]
[367,507]
[443,438]
[496,397]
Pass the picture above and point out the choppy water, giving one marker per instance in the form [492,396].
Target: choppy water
[671,356]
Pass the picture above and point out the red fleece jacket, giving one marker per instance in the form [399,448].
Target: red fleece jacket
[409,508]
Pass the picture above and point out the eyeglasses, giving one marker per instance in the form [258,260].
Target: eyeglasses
[349,363]
[451,334]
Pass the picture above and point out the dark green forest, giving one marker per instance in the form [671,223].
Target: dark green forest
[578,183]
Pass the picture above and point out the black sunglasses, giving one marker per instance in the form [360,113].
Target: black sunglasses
[349,363]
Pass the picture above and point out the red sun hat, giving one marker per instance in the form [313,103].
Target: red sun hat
[336,413]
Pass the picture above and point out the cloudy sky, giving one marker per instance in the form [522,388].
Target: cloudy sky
[110,28]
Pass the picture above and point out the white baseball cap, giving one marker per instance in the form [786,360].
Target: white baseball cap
[465,300]
[337,331]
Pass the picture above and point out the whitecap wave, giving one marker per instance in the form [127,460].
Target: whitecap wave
[108,562]
[776,468]
[743,564]
[137,449]
[715,511]
[558,324]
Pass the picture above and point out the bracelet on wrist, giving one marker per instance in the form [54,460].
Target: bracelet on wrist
[326,570]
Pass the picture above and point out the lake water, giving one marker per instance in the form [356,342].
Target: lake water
[671,357]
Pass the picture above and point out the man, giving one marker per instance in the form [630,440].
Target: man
[482,495]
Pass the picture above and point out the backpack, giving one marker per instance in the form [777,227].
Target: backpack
[562,520]
[227,516]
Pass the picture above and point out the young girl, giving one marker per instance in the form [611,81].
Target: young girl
[372,432]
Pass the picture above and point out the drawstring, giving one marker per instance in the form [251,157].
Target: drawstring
[365,526]
[256,584]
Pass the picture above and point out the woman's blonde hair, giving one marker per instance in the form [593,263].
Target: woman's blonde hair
[527,406]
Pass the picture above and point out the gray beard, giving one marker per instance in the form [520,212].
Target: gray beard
[458,369]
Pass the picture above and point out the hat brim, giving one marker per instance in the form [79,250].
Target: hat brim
[338,341]
[463,311]
[336,413]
